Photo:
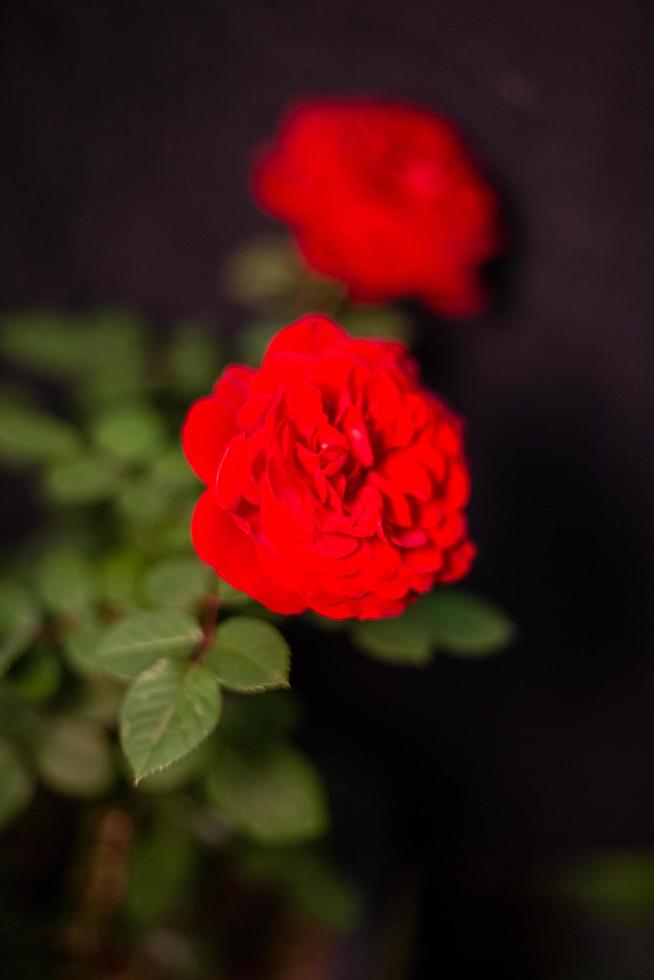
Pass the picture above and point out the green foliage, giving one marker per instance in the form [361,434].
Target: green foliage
[29,436]
[66,581]
[81,481]
[249,655]
[36,677]
[308,878]
[263,273]
[378,322]
[619,883]
[404,640]
[161,872]
[177,581]
[49,343]
[466,625]
[74,758]
[194,361]
[275,797]
[132,433]
[169,709]
[131,644]
[17,784]
[19,621]
[448,619]
[109,592]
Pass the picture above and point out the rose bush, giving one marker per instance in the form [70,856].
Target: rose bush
[335,481]
[384,197]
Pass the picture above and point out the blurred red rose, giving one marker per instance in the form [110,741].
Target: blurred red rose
[385,198]
[335,481]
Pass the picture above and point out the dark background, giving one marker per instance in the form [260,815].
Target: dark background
[127,129]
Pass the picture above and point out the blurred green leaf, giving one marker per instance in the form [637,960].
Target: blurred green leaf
[172,474]
[447,619]
[179,773]
[194,360]
[618,882]
[248,723]
[308,879]
[132,433]
[19,622]
[16,782]
[262,273]
[161,872]
[119,574]
[131,644]
[168,710]
[249,655]
[74,758]
[377,322]
[173,536]
[66,581]
[177,581]
[49,342]
[28,435]
[252,339]
[36,677]
[465,624]
[231,598]
[404,640]
[81,481]
[79,646]
[142,505]
[276,797]
[100,700]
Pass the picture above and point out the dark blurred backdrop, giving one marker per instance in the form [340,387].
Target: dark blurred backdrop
[127,129]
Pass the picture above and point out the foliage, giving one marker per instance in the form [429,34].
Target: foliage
[129,674]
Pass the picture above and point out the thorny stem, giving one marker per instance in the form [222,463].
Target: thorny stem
[209,622]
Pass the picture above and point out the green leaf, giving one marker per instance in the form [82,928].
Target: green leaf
[19,622]
[66,582]
[44,341]
[276,798]
[142,505]
[404,640]
[79,646]
[231,598]
[262,273]
[179,773]
[161,872]
[248,723]
[168,710]
[74,758]
[383,322]
[120,573]
[131,644]
[81,481]
[249,655]
[177,581]
[36,677]
[194,360]
[132,433]
[116,362]
[172,474]
[16,782]
[618,882]
[30,436]
[308,879]
[465,624]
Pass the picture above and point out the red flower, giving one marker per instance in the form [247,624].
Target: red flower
[335,481]
[385,198]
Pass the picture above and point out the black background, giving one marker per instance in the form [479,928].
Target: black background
[127,130]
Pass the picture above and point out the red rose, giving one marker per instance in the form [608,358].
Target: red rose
[335,481]
[385,198]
